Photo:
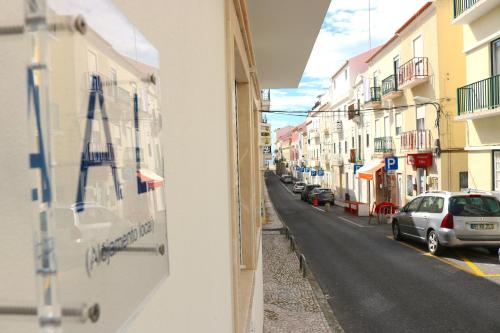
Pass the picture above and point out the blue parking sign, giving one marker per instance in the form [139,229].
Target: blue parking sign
[357,167]
[307,170]
[391,163]
[321,173]
[313,172]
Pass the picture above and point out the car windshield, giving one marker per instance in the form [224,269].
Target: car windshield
[324,190]
[474,206]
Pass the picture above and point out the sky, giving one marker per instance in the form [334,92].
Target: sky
[344,34]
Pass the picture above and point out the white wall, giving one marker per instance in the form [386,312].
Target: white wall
[190,36]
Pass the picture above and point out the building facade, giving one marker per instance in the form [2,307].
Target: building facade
[479,100]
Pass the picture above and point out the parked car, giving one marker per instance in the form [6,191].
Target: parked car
[450,219]
[324,195]
[308,188]
[287,179]
[298,187]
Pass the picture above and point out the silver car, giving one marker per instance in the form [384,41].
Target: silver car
[298,187]
[450,219]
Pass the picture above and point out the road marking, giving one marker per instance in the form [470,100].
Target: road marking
[472,266]
[427,254]
[321,210]
[286,188]
[354,223]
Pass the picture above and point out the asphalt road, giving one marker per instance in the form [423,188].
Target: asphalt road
[375,284]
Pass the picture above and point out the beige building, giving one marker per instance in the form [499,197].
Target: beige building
[412,81]
[215,57]
[479,100]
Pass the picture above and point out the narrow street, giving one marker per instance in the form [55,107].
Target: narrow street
[376,284]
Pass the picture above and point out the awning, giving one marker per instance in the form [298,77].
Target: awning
[367,170]
[150,177]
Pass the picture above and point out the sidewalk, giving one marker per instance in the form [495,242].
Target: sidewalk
[290,302]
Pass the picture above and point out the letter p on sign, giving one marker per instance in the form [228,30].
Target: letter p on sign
[391,163]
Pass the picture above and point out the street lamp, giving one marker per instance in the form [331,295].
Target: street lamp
[420,100]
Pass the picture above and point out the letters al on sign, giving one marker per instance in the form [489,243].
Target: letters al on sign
[102,205]
[391,163]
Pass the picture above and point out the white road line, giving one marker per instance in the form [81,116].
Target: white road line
[321,210]
[286,188]
[354,223]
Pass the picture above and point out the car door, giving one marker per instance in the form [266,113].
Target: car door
[424,214]
[406,222]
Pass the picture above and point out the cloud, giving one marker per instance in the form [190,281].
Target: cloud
[344,34]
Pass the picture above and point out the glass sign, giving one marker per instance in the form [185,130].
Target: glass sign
[88,178]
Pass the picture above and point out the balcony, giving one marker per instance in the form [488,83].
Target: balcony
[390,88]
[373,100]
[314,133]
[479,99]
[413,72]
[419,140]
[467,11]
[338,160]
[384,144]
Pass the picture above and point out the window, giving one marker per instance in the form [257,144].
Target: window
[464,180]
[345,146]
[474,206]
[431,205]
[367,140]
[421,118]
[413,205]
[352,143]
[409,185]
[495,57]
[399,123]
[387,126]
[345,74]
[334,148]
[377,128]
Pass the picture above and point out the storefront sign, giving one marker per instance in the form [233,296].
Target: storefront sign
[308,170]
[419,160]
[313,173]
[321,173]
[267,153]
[89,180]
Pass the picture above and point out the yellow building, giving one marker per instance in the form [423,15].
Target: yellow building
[479,101]
[410,86]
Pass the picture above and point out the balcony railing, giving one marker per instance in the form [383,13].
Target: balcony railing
[384,144]
[374,95]
[479,96]
[416,68]
[416,140]
[389,84]
[461,6]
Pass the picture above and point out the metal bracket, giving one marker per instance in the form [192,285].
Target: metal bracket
[82,313]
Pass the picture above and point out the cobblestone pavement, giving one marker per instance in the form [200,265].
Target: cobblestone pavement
[290,304]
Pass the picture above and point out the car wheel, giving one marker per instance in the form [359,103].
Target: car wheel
[433,245]
[396,232]
[493,250]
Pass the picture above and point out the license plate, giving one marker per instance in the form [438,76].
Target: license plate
[482,226]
